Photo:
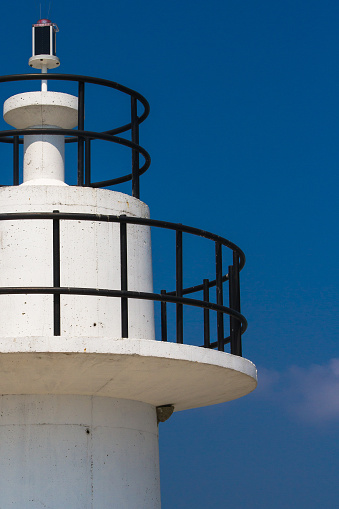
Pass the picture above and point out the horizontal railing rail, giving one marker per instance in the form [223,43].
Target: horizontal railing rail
[88,135]
[238,323]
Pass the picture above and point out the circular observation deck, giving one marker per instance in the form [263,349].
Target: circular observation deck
[180,368]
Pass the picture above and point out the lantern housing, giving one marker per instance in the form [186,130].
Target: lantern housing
[44,45]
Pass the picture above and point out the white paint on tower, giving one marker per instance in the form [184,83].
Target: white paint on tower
[78,421]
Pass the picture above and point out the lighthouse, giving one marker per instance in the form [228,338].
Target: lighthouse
[93,355]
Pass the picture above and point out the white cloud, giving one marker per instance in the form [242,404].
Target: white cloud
[268,381]
[317,391]
[311,394]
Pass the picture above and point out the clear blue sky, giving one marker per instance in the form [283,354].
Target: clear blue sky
[243,135]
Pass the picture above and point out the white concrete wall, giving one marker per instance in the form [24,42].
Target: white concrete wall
[90,257]
[78,452]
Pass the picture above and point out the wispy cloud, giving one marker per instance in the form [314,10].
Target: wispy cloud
[310,394]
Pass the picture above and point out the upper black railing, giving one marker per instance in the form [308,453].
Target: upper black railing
[237,322]
[84,138]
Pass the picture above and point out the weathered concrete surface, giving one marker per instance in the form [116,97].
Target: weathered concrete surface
[152,372]
[90,258]
[78,452]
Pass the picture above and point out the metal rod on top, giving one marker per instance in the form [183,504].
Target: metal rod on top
[135,153]
[206,298]
[81,127]
[219,295]
[123,277]
[56,275]
[234,293]
[179,286]
[163,318]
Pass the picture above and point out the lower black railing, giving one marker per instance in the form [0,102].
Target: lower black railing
[237,322]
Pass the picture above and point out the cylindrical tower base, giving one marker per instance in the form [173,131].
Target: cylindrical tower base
[89,257]
[78,452]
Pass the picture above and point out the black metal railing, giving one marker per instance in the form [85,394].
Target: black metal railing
[83,137]
[212,336]
[237,322]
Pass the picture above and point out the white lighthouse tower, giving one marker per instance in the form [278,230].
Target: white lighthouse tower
[85,376]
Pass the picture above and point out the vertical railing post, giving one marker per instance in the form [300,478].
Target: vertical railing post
[206,297]
[87,162]
[234,295]
[163,318]
[56,275]
[179,284]
[15,160]
[219,295]
[135,153]
[123,276]
[81,127]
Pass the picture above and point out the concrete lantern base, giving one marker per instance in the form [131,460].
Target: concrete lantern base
[44,154]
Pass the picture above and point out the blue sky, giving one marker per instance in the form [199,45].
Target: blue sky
[243,135]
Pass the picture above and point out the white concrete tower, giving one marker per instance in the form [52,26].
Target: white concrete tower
[84,377]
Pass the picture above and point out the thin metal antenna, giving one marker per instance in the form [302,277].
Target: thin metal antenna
[40,10]
[44,82]
[49,8]
[36,5]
